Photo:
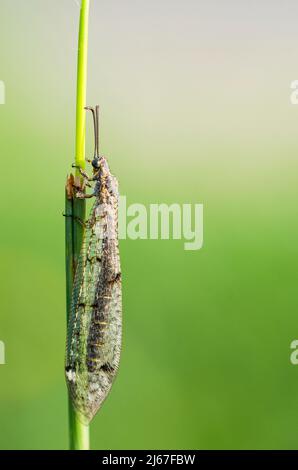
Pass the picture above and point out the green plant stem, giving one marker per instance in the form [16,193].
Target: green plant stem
[78,432]
[82,85]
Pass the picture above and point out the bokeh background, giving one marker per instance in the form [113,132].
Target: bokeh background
[195,106]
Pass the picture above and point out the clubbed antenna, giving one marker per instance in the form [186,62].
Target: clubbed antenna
[95,124]
[97,128]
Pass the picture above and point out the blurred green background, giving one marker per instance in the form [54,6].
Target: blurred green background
[195,107]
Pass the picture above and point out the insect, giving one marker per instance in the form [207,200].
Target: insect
[95,322]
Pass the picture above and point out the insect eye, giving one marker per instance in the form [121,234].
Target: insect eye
[95,163]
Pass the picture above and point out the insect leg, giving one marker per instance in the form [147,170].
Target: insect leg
[78,219]
[82,172]
[81,195]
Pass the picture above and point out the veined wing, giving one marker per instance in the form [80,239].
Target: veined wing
[83,300]
[94,330]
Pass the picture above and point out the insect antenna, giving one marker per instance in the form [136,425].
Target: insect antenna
[97,128]
[94,115]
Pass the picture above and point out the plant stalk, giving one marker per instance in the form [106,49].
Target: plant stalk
[75,208]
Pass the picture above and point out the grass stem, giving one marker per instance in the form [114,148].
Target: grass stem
[74,232]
